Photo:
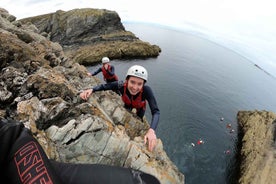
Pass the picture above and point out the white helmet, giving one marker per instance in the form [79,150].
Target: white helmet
[105,60]
[138,71]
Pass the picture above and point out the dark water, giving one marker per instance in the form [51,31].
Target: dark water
[196,82]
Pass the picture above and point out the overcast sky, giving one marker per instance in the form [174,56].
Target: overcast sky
[168,11]
[250,23]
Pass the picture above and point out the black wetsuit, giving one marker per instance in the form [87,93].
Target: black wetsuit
[23,161]
[147,95]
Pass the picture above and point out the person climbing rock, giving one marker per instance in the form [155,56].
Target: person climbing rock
[135,94]
[107,70]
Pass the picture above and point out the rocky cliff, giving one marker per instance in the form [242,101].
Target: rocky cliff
[89,34]
[258,149]
[39,86]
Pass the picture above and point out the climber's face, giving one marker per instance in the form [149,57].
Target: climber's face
[135,85]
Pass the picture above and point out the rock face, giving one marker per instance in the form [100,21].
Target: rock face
[39,86]
[87,35]
[79,26]
[258,149]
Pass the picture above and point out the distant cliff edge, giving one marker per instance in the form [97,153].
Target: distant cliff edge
[89,34]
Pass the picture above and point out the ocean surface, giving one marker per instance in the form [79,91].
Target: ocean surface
[200,86]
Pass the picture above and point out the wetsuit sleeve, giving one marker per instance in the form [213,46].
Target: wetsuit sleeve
[111,72]
[9,132]
[98,173]
[155,112]
[96,72]
[24,159]
[108,86]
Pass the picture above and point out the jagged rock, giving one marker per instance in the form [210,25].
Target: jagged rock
[258,149]
[89,34]
[5,14]
[75,25]
[39,86]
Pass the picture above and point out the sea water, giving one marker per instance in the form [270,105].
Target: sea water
[200,86]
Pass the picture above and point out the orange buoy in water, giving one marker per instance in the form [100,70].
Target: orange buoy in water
[200,142]
[229,125]
[227,152]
